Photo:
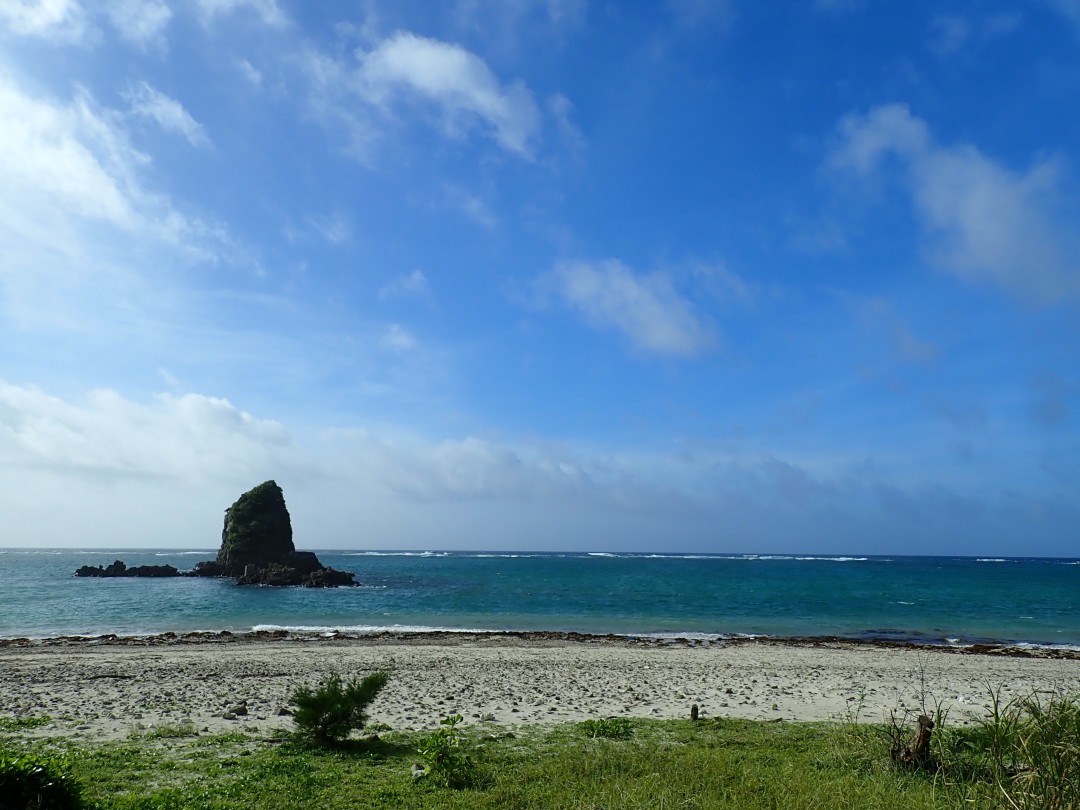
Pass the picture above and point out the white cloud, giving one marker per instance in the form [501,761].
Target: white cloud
[333,229]
[646,309]
[983,221]
[406,78]
[61,21]
[505,24]
[407,68]
[725,284]
[106,470]
[333,101]
[67,156]
[250,72]
[397,338]
[64,164]
[77,223]
[413,284]
[172,437]
[166,112]
[562,110]
[471,206]
[267,11]
[414,469]
[141,22]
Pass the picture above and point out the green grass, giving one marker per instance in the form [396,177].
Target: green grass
[1027,754]
[9,724]
[665,764]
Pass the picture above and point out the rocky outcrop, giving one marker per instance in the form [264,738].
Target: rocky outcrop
[256,549]
[257,546]
[257,530]
[284,574]
[119,569]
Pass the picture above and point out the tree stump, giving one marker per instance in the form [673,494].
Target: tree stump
[917,755]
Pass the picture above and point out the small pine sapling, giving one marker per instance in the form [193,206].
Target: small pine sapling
[327,715]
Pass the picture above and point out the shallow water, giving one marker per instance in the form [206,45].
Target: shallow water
[945,600]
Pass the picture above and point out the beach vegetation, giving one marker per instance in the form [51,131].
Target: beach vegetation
[38,781]
[1028,749]
[613,728]
[328,714]
[182,728]
[11,724]
[1026,754]
[446,756]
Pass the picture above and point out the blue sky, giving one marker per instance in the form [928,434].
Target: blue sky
[543,274]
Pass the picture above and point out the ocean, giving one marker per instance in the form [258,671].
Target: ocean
[929,600]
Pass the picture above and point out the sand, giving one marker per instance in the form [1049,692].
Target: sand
[116,688]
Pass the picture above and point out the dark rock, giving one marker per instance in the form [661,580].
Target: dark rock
[257,530]
[153,571]
[257,546]
[256,549]
[118,569]
[96,570]
[207,568]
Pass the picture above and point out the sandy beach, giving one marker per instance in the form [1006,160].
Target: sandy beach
[110,689]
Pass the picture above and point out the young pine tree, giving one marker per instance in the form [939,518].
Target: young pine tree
[327,715]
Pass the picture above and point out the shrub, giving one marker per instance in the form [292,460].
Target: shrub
[327,715]
[448,763]
[37,783]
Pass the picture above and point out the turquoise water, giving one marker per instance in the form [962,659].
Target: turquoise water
[928,599]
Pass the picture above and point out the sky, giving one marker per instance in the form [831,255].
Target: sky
[694,275]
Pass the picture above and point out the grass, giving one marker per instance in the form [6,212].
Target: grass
[9,724]
[665,764]
[1024,755]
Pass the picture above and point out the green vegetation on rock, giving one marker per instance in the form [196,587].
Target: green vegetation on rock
[257,527]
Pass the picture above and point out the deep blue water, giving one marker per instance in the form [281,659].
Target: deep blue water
[931,599]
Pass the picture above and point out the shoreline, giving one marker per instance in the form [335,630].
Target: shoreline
[450,637]
[106,688]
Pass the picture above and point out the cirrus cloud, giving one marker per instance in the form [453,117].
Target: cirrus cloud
[167,113]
